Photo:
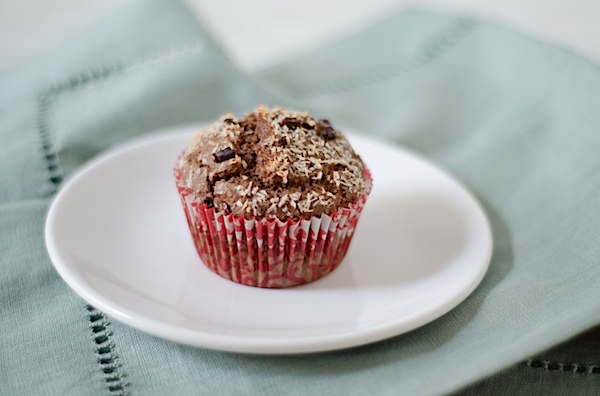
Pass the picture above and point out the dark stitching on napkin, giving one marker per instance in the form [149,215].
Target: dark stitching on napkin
[105,352]
[105,347]
[433,50]
[548,365]
[55,174]
[47,98]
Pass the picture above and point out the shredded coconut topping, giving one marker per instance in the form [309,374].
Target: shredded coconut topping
[286,164]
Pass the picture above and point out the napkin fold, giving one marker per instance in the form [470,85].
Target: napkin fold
[513,118]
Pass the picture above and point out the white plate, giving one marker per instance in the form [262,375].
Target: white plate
[117,235]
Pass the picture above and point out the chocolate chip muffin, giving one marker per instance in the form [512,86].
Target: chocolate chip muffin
[274,164]
[271,198]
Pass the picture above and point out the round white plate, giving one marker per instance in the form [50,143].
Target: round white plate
[117,235]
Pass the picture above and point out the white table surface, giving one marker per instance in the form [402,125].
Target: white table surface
[259,32]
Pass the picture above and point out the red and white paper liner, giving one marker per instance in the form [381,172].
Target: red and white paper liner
[270,253]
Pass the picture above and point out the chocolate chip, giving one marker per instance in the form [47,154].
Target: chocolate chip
[224,155]
[290,122]
[282,142]
[325,129]
[209,203]
[328,133]
[306,125]
[229,121]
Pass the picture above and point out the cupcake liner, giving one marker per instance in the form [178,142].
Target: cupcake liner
[270,253]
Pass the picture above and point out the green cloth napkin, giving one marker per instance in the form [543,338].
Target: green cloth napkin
[516,120]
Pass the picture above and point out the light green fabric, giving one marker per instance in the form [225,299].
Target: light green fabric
[516,120]
[572,368]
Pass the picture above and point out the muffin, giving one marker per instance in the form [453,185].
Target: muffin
[272,199]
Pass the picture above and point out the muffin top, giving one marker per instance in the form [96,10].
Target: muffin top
[272,163]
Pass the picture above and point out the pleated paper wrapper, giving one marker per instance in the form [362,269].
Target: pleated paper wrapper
[270,253]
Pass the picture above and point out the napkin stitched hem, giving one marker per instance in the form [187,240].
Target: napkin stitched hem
[105,350]
[46,99]
[548,365]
